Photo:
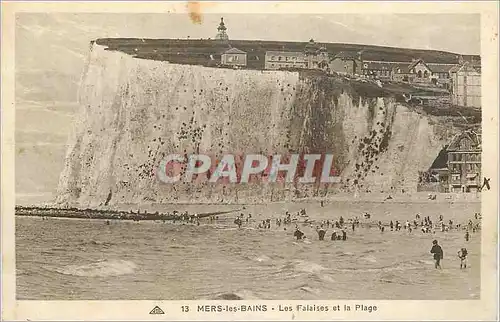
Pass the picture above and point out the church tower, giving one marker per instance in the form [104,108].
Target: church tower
[221,34]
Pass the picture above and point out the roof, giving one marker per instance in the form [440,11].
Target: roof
[416,62]
[377,65]
[474,136]
[346,55]
[234,50]
[285,53]
[440,68]
[454,69]
[467,67]
[405,67]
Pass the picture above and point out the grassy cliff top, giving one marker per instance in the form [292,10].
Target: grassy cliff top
[197,51]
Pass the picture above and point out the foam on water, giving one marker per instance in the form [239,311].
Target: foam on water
[305,266]
[235,296]
[104,268]
[261,258]
[370,259]
[306,288]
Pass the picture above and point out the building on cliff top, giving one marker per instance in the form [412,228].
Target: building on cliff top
[285,59]
[221,31]
[346,63]
[466,85]
[234,57]
[312,57]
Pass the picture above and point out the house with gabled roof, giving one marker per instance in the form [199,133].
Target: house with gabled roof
[457,168]
[401,72]
[421,70]
[345,62]
[464,162]
[234,57]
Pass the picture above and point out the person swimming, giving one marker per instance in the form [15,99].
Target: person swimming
[334,235]
[298,234]
[238,222]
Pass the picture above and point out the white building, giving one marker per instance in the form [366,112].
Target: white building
[466,85]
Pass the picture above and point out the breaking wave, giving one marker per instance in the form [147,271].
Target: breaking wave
[236,296]
[99,269]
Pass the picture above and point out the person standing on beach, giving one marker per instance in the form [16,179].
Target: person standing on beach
[467,235]
[462,254]
[344,235]
[321,232]
[438,253]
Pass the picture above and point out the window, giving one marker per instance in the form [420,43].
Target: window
[279,57]
[365,65]
[273,57]
[419,74]
[426,74]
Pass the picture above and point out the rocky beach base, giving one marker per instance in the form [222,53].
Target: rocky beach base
[87,213]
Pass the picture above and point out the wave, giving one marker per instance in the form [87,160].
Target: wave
[236,296]
[99,269]
[304,266]
[306,288]
[177,246]
[402,266]
[392,278]
[260,258]
[370,259]
[95,243]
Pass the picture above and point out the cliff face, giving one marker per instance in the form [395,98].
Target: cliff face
[134,112]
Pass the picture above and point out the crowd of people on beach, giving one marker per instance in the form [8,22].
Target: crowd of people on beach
[341,226]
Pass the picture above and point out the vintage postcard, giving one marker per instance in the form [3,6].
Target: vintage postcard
[249,160]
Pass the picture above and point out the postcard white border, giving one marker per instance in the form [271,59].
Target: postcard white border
[483,309]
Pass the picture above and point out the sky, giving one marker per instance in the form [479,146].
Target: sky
[51,49]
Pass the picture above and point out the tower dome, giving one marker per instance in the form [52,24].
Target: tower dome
[221,34]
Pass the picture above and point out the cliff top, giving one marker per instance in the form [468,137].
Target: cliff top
[199,51]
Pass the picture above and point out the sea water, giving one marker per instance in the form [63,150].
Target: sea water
[68,259]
